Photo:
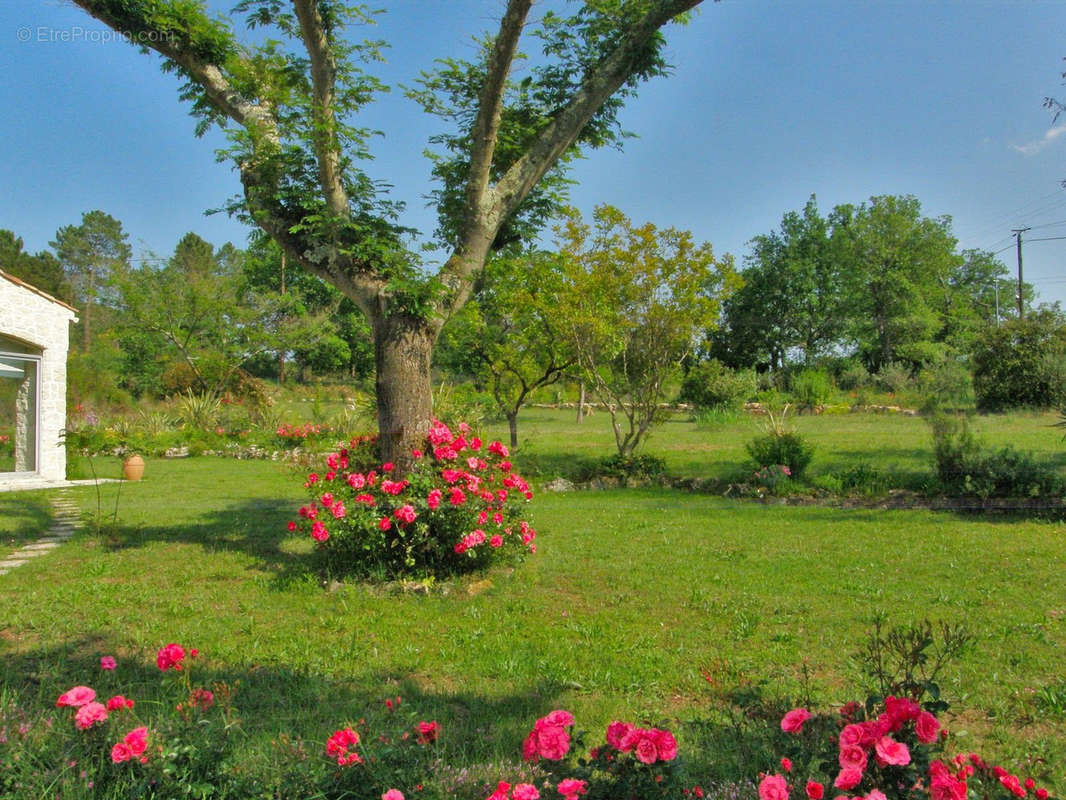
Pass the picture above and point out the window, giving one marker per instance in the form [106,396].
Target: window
[19,401]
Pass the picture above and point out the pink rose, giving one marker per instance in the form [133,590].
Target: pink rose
[76,697]
[617,732]
[553,742]
[89,714]
[502,788]
[793,721]
[851,755]
[851,735]
[815,790]
[773,787]
[892,752]
[927,728]
[558,717]
[392,794]
[571,788]
[118,702]
[875,794]
[645,751]
[107,662]
[848,778]
[666,744]
[170,657]
[428,732]
[525,791]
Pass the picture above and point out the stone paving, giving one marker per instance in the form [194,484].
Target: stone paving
[64,522]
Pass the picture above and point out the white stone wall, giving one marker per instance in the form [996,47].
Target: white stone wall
[42,323]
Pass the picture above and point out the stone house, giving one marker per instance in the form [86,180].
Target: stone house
[34,331]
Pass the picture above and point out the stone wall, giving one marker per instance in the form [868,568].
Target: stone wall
[43,324]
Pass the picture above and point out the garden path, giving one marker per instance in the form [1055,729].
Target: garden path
[64,520]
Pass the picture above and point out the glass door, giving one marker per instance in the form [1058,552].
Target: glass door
[19,396]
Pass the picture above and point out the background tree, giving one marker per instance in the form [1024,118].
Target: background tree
[40,269]
[904,262]
[196,315]
[639,297]
[795,294]
[295,98]
[513,335]
[1022,362]
[337,339]
[89,253]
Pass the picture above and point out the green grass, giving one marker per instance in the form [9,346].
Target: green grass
[24,516]
[631,595]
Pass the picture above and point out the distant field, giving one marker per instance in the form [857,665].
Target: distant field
[551,441]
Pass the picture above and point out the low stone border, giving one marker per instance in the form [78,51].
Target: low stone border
[64,523]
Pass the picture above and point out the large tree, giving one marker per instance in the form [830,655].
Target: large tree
[41,269]
[295,99]
[90,252]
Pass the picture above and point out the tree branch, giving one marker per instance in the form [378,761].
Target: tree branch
[256,115]
[490,106]
[564,129]
[323,81]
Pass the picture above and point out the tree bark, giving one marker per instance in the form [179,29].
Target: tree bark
[512,425]
[402,349]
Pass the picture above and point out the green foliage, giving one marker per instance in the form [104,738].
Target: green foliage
[908,660]
[894,377]
[812,387]
[863,477]
[946,384]
[641,467]
[640,295]
[852,375]
[712,385]
[965,467]
[1022,363]
[787,448]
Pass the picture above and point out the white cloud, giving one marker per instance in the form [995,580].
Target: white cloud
[1032,148]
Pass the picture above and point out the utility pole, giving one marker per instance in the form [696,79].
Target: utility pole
[996,280]
[1021,297]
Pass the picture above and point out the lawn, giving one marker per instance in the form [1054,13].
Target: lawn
[632,597]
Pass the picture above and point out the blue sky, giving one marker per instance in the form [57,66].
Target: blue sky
[771,101]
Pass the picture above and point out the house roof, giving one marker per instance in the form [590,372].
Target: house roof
[35,290]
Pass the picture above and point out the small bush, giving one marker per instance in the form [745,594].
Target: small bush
[789,449]
[812,387]
[965,468]
[711,385]
[852,375]
[894,378]
[863,478]
[946,385]
[642,467]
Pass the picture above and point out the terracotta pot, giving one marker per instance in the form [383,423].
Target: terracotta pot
[133,468]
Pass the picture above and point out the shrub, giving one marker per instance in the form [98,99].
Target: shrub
[642,467]
[712,385]
[812,387]
[1021,363]
[894,378]
[946,384]
[852,375]
[456,510]
[863,478]
[785,448]
[964,467]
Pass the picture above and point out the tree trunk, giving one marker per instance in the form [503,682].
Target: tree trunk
[512,424]
[581,403]
[86,316]
[402,349]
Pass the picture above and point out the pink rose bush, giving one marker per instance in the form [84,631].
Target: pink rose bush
[897,754]
[459,508]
